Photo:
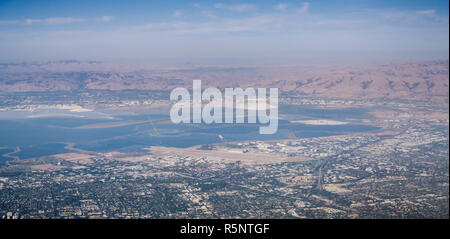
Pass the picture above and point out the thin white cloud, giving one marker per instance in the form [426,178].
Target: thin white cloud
[427,12]
[304,8]
[409,17]
[289,22]
[105,18]
[281,6]
[235,8]
[177,13]
[209,14]
[55,20]
[251,24]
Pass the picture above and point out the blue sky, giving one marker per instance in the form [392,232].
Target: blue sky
[215,31]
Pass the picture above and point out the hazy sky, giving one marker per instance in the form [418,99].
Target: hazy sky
[206,31]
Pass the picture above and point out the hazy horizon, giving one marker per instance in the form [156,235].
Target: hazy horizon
[224,31]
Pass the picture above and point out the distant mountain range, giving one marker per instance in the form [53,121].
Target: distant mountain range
[398,80]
